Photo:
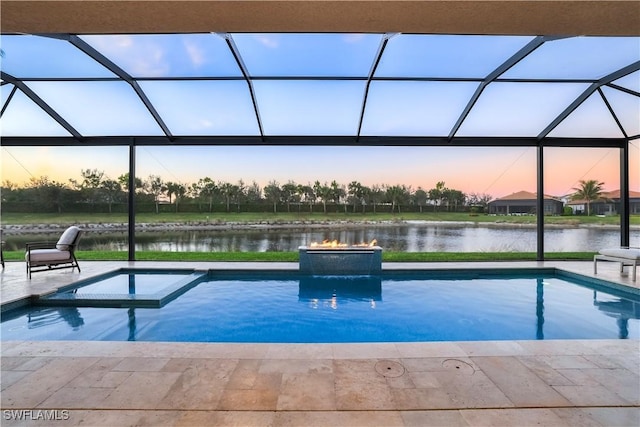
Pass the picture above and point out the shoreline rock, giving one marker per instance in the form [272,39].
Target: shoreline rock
[13,229]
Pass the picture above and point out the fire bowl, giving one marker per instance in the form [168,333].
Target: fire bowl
[354,260]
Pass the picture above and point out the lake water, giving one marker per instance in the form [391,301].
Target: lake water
[418,237]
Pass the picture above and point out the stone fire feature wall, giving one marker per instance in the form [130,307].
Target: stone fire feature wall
[341,261]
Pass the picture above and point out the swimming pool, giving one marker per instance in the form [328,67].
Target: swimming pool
[398,306]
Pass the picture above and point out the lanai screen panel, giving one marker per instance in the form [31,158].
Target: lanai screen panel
[337,88]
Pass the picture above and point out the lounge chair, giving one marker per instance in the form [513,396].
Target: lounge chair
[42,256]
[625,256]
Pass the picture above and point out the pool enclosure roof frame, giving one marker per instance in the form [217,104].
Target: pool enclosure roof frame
[595,85]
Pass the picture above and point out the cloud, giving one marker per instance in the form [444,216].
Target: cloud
[195,53]
[122,41]
[268,41]
[352,38]
[136,55]
[204,123]
[151,63]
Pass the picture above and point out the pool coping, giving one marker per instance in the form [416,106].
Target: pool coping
[62,297]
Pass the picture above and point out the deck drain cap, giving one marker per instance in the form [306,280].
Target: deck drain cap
[458,366]
[389,368]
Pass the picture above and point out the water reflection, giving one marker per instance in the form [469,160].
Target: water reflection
[403,238]
[131,313]
[42,317]
[620,309]
[540,309]
[334,291]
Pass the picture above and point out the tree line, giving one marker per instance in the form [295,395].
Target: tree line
[95,187]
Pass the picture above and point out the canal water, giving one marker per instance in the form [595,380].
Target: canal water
[407,237]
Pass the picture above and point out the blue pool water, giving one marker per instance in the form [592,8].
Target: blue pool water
[149,288]
[131,281]
[394,307]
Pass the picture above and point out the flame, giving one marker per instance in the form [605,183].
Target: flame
[328,244]
[337,244]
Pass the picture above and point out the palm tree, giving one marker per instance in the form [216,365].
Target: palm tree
[376,195]
[208,189]
[589,190]
[323,191]
[288,193]
[453,197]
[172,188]
[309,196]
[397,194]
[180,192]
[227,190]
[355,192]
[337,192]
[239,193]
[437,194]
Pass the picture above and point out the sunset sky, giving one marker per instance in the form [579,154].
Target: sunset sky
[497,171]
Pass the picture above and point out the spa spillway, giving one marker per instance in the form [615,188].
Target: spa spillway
[327,261]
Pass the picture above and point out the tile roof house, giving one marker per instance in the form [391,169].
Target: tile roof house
[524,203]
[608,204]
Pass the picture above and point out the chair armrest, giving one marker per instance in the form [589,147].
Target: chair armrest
[40,245]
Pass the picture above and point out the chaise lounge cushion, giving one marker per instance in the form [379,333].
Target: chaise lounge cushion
[626,253]
[44,256]
[67,238]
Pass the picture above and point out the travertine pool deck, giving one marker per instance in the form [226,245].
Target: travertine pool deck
[554,383]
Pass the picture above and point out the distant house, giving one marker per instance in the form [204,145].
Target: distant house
[524,202]
[608,204]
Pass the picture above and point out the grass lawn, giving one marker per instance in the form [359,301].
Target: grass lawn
[293,256]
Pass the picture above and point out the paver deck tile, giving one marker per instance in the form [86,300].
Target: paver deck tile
[520,384]
[513,417]
[346,418]
[141,390]
[545,372]
[200,384]
[450,418]
[359,387]
[307,392]
[600,416]
[197,384]
[38,385]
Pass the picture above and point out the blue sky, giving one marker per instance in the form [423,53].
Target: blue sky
[327,107]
